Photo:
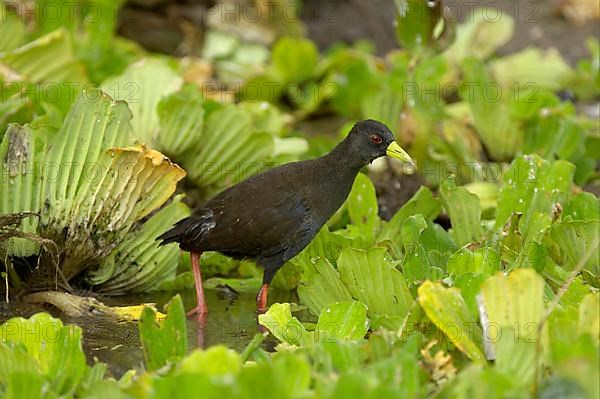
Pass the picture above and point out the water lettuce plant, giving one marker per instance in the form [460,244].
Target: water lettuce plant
[90,186]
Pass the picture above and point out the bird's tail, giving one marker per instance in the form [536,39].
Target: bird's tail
[175,233]
[189,229]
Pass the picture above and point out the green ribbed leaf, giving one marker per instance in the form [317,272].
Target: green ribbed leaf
[383,102]
[514,305]
[163,341]
[28,385]
[286,328]
[362,206]
[143,85]
[15,359]
[294,60]
[339,321]
[589,316]
[48,59]
[422,202]
[230,150]
[416,23]
[532,67]
[533,185]
[373,280]
[46,71]
[22,151]
[575,238]
[53,348]
[138,264]
[342,321]
[98,191]
[323,288]
[93,125]
[480,36]
[465,212]
[12,30]
[181,121]
[483,260]
[500,132]
[446,308]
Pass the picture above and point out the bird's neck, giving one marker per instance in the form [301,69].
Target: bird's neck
[335,176]
[345,160]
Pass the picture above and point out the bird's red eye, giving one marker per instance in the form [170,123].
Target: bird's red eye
[376,139]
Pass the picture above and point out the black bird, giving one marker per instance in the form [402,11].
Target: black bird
[272,216]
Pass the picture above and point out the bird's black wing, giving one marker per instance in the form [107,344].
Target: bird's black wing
[259,222]
[266,217]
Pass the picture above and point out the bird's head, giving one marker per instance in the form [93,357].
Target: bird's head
[370,139]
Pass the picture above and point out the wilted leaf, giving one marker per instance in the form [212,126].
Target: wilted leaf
[85,306]
[440,365]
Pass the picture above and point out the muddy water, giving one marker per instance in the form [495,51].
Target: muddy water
[231,321]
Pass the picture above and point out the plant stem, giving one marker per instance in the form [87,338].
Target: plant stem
[253,345]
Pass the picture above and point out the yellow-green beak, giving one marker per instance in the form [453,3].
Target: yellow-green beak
[395,151]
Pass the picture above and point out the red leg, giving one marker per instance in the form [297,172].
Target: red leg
[261,299]
[201,310]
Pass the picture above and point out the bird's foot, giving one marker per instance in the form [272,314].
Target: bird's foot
[199,312]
